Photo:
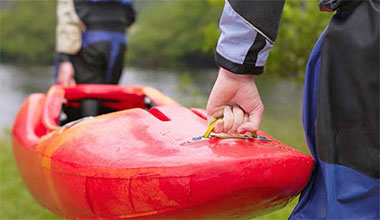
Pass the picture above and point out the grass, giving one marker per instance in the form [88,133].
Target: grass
[15,200]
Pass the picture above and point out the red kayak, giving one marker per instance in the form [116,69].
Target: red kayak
[142,160]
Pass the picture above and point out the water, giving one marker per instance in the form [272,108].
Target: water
[282,97]
[15,85]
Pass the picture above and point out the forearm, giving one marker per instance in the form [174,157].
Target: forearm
[249,29]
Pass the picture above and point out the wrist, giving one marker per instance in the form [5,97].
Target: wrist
[63,57]
[233,76]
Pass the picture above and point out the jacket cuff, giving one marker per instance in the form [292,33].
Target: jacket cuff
[62,57]
[237,68]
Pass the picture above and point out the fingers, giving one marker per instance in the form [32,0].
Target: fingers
[66,81]
[253,123]
[246,118]
[228,119]
[226,124]
[232,119]
[218,128]
[236,120]
[238,116]
[62,81]
[214,115]
[72,82]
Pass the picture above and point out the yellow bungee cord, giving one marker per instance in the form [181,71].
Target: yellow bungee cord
[211,126]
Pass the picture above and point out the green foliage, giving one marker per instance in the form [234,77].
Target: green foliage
[194,97]
[300,27]
[173,33]
[168,34]
[27,31]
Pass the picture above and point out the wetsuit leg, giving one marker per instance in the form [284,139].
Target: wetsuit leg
[91,65]
[341,119]
[115,62]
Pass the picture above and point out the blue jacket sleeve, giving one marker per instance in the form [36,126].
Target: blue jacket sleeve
[249,29]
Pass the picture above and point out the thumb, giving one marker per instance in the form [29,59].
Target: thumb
[218,126]
[213,115]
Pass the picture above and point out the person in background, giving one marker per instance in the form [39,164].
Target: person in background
[341,99]
[90,44]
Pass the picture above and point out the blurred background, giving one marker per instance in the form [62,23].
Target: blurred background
[171,48]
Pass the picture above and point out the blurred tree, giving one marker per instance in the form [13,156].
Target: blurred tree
[175,33]
[27,32]
[180,33]
[170,33]
[301,24]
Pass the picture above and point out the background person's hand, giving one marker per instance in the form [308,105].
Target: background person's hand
[236,99]
[66,74]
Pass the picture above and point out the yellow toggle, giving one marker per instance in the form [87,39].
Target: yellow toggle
[211,127]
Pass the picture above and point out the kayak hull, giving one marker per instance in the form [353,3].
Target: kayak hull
[139,163]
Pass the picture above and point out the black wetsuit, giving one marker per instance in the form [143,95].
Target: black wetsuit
[100,59]
[341,98]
